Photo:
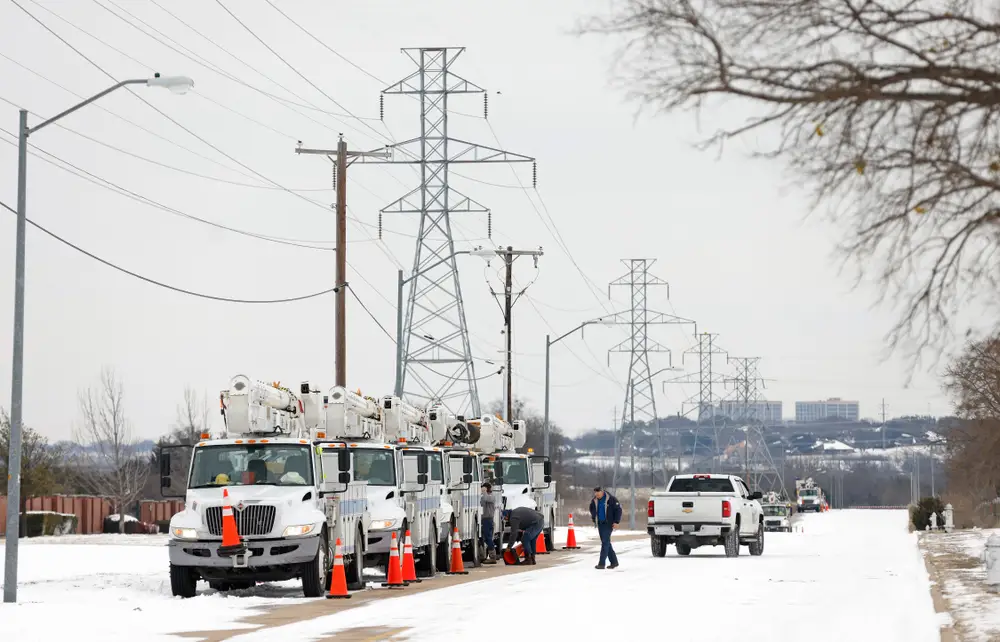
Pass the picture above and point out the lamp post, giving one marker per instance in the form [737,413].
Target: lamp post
[483,253]
[548,345]
[176,84]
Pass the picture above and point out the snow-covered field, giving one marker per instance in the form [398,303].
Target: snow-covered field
[857,574]
[961,575]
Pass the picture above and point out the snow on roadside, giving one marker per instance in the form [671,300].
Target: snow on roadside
[956,557]
[862,564]
[117,587]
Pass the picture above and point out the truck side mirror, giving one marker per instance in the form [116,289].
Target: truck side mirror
[344,461]
[467,478]
[422,468]
[467,468]
[422,478]
[548,479]
[344,477]
[547,467]
[498,481]
[756,495]
[165,466]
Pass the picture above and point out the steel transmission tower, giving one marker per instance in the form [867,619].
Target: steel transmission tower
[759,469]
[705,401]
[436,354]
[640,401]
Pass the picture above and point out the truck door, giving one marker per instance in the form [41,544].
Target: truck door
[748,521]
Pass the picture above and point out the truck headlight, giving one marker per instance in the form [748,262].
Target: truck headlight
[184,533]
[383,524]
[297,531]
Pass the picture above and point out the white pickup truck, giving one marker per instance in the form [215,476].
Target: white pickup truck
[705,510]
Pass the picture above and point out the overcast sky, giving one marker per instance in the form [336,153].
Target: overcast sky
[730,236]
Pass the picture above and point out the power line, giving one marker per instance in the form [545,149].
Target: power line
[160,283]
[369,312]
[106,184]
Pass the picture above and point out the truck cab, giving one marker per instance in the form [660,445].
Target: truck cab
[776,518]
[525,480]
[289,505]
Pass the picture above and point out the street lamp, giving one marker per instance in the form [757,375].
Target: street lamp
[483,253]
[548,344]
[177,85]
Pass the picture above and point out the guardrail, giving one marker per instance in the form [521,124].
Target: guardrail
[877,507]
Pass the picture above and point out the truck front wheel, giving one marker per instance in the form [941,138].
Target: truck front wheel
[316,572]
[183,581]
[354,569]
[658,545]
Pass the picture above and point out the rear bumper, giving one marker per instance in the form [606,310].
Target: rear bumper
[264,553]
[688,529]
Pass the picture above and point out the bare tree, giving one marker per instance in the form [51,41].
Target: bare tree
[973,380]
[887,108]
[111,464]
[192,417]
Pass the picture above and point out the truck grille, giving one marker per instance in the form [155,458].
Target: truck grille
[254,519]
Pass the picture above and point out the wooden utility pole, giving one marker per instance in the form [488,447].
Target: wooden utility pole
[339,158]
[509,255]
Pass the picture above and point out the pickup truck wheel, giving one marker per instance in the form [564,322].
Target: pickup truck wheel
[732,543]
[316,572]
[354,570]
[683,549]
[658,545]
[183,581]
[757,546]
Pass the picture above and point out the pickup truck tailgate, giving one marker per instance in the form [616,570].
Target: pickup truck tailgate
[688,507]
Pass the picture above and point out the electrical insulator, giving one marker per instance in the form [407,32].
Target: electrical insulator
[380,226]
[534,173]
[489,224]
[381,106]
[333,174]
[486,105]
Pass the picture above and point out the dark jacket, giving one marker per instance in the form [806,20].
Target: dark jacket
[521,519]
[612,509]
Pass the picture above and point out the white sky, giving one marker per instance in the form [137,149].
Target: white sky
[729,236]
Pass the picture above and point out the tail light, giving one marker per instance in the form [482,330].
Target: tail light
[727,508]
[649,510]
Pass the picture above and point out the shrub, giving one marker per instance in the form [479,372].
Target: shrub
[38,523]
[920,515]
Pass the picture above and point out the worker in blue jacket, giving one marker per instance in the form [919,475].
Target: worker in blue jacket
[606,513]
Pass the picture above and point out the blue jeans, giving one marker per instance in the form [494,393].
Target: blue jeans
[607,552]
[488,533]
[531,538]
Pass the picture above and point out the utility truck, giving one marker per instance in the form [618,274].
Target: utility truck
[705,510]
[390,442]
[809,496]
[523,479]
[459,469]
[291,495]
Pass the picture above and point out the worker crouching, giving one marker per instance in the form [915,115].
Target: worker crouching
[526,525]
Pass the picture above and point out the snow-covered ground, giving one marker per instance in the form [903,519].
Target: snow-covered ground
[852,574]
[956,557]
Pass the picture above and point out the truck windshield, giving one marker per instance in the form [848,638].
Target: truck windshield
[437,468]
[775,511]
[251,465]
[701,485]
[513,471]
[808,492]
[377,467]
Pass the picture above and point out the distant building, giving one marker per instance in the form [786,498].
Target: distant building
[835,407]
[763,410]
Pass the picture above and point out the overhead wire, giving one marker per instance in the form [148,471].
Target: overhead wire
[161,284]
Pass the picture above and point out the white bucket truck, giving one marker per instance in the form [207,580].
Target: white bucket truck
[291,496]
[523,479]
[460,470]
[389,442]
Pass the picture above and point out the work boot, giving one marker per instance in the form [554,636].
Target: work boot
[600,567]
[531,560]
[491,557]
[613,567]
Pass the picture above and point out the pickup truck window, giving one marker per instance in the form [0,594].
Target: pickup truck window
[701,485]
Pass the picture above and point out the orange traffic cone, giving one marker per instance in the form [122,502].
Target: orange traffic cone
[338,580]
[570,536]
[409,568]
[230,535]
[394,573]
[540,545]
[512,556]
[457,568]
